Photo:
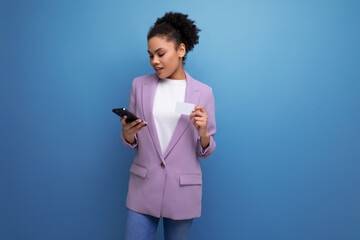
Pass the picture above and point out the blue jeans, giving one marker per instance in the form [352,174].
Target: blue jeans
[143,227]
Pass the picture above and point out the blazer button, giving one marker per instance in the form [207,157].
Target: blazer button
[162,165]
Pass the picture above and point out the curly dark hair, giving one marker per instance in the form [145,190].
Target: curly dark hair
[178,28]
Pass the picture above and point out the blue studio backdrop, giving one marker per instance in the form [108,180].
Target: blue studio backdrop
[286,81]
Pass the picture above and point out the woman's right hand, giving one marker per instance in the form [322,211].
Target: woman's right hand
[130,129]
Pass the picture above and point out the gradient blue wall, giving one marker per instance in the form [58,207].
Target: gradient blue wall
[286,79]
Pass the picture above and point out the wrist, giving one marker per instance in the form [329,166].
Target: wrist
[206,134]
[205,140]
[129,138]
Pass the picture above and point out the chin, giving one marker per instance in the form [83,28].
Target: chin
[161,75]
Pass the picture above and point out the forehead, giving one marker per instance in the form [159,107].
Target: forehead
[159,42]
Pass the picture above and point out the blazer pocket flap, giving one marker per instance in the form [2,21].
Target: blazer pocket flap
[138,171]
[190,179]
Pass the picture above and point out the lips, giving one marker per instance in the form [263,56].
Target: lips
[158,69]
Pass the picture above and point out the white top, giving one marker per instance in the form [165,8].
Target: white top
[168,92]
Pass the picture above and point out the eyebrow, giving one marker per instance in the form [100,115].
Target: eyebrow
[155,50]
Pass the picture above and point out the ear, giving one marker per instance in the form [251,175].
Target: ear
[181,50]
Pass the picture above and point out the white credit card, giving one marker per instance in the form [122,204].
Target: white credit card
[184,108]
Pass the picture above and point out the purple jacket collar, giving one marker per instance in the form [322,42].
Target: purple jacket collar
[148,94]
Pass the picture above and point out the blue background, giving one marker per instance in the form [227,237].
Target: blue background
[286,80]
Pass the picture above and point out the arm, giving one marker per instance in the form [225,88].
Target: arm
[207,140]
[130,142]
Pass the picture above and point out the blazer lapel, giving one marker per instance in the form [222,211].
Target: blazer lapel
[148,95]
[191,96]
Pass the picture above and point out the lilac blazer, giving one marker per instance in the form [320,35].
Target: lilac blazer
[168,185]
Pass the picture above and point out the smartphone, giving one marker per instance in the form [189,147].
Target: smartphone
[123,111]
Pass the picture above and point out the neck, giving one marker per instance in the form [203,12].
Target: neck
[179,74]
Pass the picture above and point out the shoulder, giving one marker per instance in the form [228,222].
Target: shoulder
[146,78]
[202,87]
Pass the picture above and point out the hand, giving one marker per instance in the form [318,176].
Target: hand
[200,119]
[130,129]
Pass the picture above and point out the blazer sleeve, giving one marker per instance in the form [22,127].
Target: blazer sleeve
[132,108]
[210,110]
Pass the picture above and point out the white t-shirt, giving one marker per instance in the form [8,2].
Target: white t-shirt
[168,92]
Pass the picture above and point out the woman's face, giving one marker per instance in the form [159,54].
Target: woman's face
[165,59]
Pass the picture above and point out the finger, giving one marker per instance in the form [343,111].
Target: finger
[139,127]
[194,122]
[139,124]
[197,113]
[192,115]
[201,108]
[200,118]
[133,123]
[200,124]
[122,120]
[130,125]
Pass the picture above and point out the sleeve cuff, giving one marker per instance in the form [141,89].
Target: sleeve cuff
[129,145]
[205,152]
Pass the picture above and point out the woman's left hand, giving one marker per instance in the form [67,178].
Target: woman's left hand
[200,119]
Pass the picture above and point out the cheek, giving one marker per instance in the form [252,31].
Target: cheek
[172,60]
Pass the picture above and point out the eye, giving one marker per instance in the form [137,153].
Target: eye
[151,57]
[161,54]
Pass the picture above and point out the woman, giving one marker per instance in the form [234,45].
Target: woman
[166,178]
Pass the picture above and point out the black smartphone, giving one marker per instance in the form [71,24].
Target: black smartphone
[123,111]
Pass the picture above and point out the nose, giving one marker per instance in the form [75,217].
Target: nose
[155,60]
